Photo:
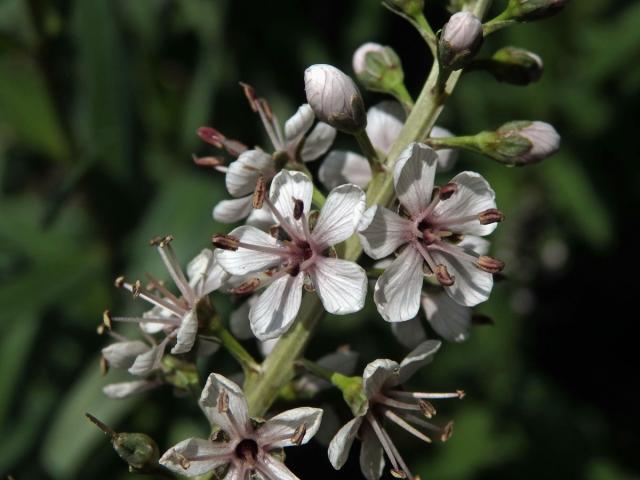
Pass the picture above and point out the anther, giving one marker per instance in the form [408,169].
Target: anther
[427,409]
[461,394]
[299,434]
[119,282]
[106,319]
[246,287]
[137,287]
[398,473]
[447,190]
[298,208]
[443,276]
[250,93]
[104,366]
[259,193]
[489,264]
[266,108]
[182,460]
[225,242]
[492,215]
[211,136]
[447,431]
[209,161]
[222,402]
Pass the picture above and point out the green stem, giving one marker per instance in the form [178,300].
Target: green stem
[317,370]
[498,23]
[367,148]
[403,96]
[237,351]
[318,198]
[427,33]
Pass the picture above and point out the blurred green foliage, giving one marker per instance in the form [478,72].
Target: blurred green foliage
[99,102]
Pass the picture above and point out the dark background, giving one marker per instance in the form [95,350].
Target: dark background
[99,103]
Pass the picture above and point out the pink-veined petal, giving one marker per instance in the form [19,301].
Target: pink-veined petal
[382,231]
[410,333]
[318,142]
[413,177]
[123,354]
[384,122]
[126,389]
[277,307]
[339,216]
[213,455]
[286,187]
[243,173]
[419,357]
[371,454]
[342,441]
[340,284]
[235,421]
[232,211]
[244,261]
[377,374]
[273,469]
[278,431]
[448,318]
[187,333]
[340,167]
[446,156]
[299,123]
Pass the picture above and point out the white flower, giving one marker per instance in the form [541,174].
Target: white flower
[384,122]
[429,234]
[340,284]
[173,315]
[387,402]
[242,448]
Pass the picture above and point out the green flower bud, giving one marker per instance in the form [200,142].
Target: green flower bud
[460,40]
[515,66]
[410,8]
[529,10]
[378,68]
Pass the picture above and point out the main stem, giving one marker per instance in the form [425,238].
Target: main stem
[278,368]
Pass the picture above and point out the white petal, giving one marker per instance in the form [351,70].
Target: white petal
[232,211]
[244,261]
[371,454]
[237,406]
[275,468]
[475,244]
[419,357]
[288,186]
[471,285]
[342,441]
[217,454]
[207,347]
[123,354]
[410,333]
[384,122]
[318,142]
[126,389]
[156,311]
[377,374]
[277,307]
[148,361]
[397,291]
[474,195]
[340,167]
[413,177]
[243,173]
[340,284]
[299,123]
[448,318]
[278,431]
[446,156]
[261,218]
[339,216]
[239,319]
[382,231]
[187,333]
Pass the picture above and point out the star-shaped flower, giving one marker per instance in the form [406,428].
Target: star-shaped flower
[242,447]
[303,258]
[436,232]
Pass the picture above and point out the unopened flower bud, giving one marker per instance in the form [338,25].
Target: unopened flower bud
[528,10]
[335,98]
[378,68]
[516,66]
[410,8]
[460,40]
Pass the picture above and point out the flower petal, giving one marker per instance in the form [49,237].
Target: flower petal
[377,374]
[382,231]
[147,362]
[397,291]
[384,122]
[243,173]
[448,318]
[318,142]
[274,469]
[126,389]
[340,167]
[339,216]
[277,307]
[299,123]
[286,187]
[419,357]
[342,441]
[410,333]
[244,261]
[156,311]
[216,454]
[340,284]
[261,218]
[371,454]
[235,421]
[187,333]
[239,319]
[123,354]
[232,211]
[413,177]
[446,156]
[473,195]
[471,285]
[278,431]
[205,275]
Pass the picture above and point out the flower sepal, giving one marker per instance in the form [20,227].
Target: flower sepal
[352,392]
[182,374]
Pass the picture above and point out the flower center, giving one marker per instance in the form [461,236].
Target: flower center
[247,450]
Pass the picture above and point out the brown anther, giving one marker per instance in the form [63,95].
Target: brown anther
[250,93]
[209,161]
[100,329]
[211,136]
[246,287]
[225,242]
[106,319]
[137,287]
[398,473]
[461,394]
[155,241]
[119,282]
[182,460]
[259,193]
[443,276]
[104,366]
[447,431]
[427,409]
[299,434]
[266,108]
[447,190]
[492,215]
[298,208]
[489,264]
[222,403]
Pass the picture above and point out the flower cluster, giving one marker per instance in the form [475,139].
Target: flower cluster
[296,250]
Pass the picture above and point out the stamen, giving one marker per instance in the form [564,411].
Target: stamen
[173,266]
[225,242]
[286,226]
[137,287]
[443,276]
[119,281]
[489,264]
[400,422]
[261,106]
[164,320]
[159,285]
[392,448]
[447,432]
[106,319]
[182,460]
[246,287]
[427,409]
[210,161]
[299,434]
[104,366]
[397,473]
[222,402]
[149,297]
[259,193]
[298,208]
[492,215]
[430,395]
[447,190]
[395,403]
[425,254]
[384,440]
[218,140]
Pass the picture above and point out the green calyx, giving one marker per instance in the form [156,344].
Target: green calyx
[383,71]
[531,10]
[514,65]
[352,392]
[411,8]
